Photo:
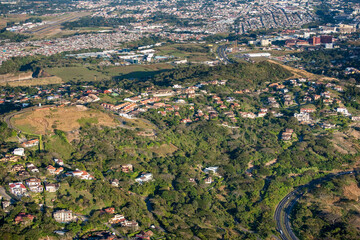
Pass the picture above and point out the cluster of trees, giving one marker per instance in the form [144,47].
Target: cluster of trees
[13,37]
[97,22]
[173,20]
[331,63]
[193,49]
[239,75]
[39,62]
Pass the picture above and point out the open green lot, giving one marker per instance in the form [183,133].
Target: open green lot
[93,73]
[191,51]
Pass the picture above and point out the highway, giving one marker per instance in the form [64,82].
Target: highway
[221,51]
[283,210]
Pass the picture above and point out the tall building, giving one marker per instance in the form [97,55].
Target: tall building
[326,39]
[315,41]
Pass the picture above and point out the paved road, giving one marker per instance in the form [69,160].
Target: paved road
[283,210]
[4,194]
[7,117]
[221,51]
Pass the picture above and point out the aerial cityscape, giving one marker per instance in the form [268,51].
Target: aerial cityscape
[180,119]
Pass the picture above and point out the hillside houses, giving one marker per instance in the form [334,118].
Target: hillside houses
[52,187]
[64,216]
[117,219]
[34,185]
[54,171]
[19,152]
[144,177]
[83,175]
[30,143]
[58,162]
[32,168]
[287,134]
[18,189]
[23,218]
[10,158]
[127,168]
[307,110]
[303,117]
[120,219]
[211,169]
[343,111]
[17,168]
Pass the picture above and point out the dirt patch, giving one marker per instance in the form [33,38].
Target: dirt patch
[73,135]
[45,120]
[352,191]
[343,144]
[327,204]
[299,73]
[355,221]
[34,82]
[354,133]
[271,162]
[81,108]
[165,149]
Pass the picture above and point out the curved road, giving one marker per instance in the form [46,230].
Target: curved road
[283,210]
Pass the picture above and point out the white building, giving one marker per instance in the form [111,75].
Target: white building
[146,177]
[19,152]
[63,216]
[343,111]
[52,187]
[253,55]
[265,42]
[59,162]
[211,169]
[18,189]
[302,117]
[34,185]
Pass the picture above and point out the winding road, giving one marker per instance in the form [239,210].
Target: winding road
[283,210]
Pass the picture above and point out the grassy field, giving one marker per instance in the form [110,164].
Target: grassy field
[85,73]
[34,82]
[76,74]
[44,121]
[66,189]
[136,123]
[190,51]
[58,145]
[164,150]
[12,18]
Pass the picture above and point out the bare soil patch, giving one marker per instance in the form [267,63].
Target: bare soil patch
[352,191]
[299,73]
[343,144]
[34,82]
[45,120]
[165,149]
